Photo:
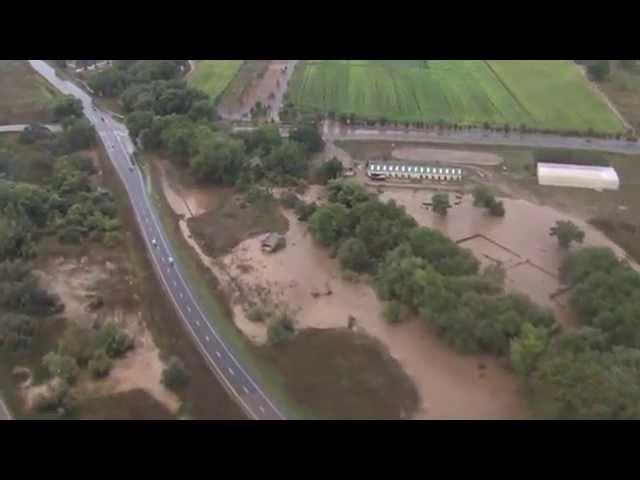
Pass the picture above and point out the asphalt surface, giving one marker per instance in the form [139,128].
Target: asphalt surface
[222,361]
[332,131]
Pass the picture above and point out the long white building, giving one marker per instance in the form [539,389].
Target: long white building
[579,176]
[414,171]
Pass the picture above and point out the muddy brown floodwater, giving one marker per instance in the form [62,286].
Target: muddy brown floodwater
[442,155]
[520,240]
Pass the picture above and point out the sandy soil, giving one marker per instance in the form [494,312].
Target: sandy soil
[438,155]
[76,282]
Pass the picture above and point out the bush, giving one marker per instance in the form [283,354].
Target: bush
[78,342]
[280,329]
[64,367]
[290,200]
[113,340]
[353,255]
[305,210]
[111,239]
[329,170]
[100,365]
[258,314]
[175,376]
[394,312]
[350,276]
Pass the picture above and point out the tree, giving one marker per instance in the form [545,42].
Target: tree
[394,312]
[66,106]
[201,110]
[289,158]
[309,137]
[328,223]
[100,364]
[108,83]
[175,376]
[280,329]
[587,385]
[61,366]
[527,348]
[113,340]
[440,203]
[79,135]
[138,121]
[353,255]
[496,209]
[330,170]
[220,160]
[482,196]
[262,140]
[566,232]
[78,342]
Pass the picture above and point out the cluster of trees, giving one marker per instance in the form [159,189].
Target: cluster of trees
[484,198]
[113,81]
[421,271]
[21,299]
[599,70]
[86,347]
[440,203]
[590,372]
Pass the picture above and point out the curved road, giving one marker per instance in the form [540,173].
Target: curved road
[119,148]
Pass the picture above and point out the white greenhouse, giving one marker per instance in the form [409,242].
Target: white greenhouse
[581,176]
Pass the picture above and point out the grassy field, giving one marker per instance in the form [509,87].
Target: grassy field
[24,95]
[213,76]
[539,94]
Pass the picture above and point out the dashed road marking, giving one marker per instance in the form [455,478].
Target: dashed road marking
[207,339]
[261,408]
[218,353]
[231,371]
[246,390]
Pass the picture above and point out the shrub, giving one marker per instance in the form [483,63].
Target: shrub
[100,365]
[64,367]
[113,340]
[280,329]
[258,314]
[394,312]
[175,376]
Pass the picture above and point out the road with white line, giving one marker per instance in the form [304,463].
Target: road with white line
[220,358]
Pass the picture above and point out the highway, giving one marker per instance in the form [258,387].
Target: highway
[222,361]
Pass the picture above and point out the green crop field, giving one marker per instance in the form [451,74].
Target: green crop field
[213,76]
[539,94]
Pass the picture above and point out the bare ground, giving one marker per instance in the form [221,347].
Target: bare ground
[441,155]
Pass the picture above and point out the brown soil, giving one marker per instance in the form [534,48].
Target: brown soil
[441,155]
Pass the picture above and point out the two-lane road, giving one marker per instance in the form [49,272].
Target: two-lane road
[220,358]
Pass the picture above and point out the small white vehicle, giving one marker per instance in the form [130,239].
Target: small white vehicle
[154,243]
[171,261]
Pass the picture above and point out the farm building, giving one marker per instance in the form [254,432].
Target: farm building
[413,171]
[580,176]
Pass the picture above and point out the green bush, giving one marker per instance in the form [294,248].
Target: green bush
[280,329]
[100,364]
[394,312]
[64,367]
[175,376]
[113,340]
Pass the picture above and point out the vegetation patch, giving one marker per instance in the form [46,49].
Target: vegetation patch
[213,76]
[357,378]
[24,95]
[536,94]
[236,219]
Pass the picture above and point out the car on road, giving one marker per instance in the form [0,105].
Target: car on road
[171,261]
[154,243]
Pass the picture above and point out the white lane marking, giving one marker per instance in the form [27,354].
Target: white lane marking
[188,309]
[246,390]
[181,295]
[207,338]
[218,353]
[162,259]
[175,284]
[261,408]
[197,323]
[231,371]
